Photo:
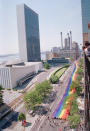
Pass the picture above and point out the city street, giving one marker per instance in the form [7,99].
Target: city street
[43,122]
[8,120]
[44,65]
[47,123]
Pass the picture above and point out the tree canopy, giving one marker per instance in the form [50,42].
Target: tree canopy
[21,116]
[1,95]
[36,97]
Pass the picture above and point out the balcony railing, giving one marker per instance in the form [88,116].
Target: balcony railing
[87,89]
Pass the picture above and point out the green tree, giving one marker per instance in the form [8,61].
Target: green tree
[43,88]
[74,119]
[79,71]
[54,79]
[36,97]
[21,117]
[81,63]
[46,65]
[76,85]
[74,116]
[1,95]
[31,99]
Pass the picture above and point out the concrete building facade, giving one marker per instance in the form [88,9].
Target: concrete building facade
[28,34]
[67,43]
[11,74]
[55,50]
[75,47]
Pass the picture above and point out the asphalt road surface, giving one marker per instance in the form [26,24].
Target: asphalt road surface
[11,119]
[47,123]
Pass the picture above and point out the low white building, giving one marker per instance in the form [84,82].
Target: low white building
[10,74]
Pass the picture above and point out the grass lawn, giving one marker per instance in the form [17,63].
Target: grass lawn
[60,72]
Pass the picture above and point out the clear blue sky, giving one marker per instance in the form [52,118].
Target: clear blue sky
[54,16]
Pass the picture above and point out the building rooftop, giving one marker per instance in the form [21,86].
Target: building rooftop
[27,7]
[18,64]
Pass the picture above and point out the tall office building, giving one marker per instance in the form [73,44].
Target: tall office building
[28,34]
[85,5]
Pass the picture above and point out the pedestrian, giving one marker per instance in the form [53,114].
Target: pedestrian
[24,123]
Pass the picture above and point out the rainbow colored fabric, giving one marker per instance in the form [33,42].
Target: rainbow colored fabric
[60,112]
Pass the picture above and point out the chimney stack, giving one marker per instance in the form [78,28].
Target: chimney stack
[70,40]
[61,41]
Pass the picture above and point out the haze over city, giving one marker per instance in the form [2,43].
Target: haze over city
[45,65]
[54,17]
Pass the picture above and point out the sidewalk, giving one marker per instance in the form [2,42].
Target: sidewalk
[29,124]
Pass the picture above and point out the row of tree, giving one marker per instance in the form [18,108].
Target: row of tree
[74,116]
[37,96]
[54,78]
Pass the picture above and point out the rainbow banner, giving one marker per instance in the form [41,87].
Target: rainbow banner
[60,112]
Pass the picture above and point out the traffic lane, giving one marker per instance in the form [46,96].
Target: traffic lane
[43,76]
[50,125]
[42,125]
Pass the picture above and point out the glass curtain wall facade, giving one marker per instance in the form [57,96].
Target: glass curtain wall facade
[28,30]
[85,5]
